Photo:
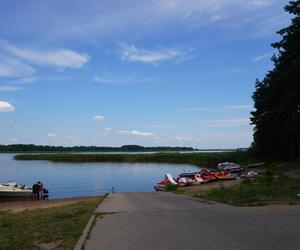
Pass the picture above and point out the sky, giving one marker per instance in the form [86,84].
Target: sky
[153,73]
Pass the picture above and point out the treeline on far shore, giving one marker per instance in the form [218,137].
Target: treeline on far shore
[48,148]
[198,159]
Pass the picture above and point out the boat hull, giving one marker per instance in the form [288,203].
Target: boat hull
[21,193]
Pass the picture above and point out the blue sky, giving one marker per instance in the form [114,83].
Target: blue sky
[170,73]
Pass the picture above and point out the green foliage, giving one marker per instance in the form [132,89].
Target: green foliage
[198,159]
[170,187]
[277,97]
[269,176]
[61,226]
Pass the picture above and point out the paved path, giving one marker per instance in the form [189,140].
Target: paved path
[294,174]
[137,221]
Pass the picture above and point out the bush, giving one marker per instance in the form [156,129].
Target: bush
[269,176]
[170,187]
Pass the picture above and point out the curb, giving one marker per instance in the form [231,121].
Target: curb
[85,233]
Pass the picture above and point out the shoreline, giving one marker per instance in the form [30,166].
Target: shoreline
[15,206]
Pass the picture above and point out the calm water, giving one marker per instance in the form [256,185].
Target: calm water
[79,179]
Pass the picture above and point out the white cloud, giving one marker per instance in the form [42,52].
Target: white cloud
[184,137]
[107,79]
[133,54]
[51,135]
[214,140]
[197,109]
[10,140]
[230,139]
[161,126]
[240,107]
[137,133]
[230,71]
[178,138]
[226,122]
[72,140]
[231,107]
[14,124]
[6,107]
[9,88]
[97,20]
[260,3]
[270,24]
[123,132]
[10,67]
[262,57]
[108,129]
[61,58]
[27,79]
[17,63]
[140,133]
[98,118]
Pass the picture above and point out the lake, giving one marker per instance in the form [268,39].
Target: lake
[83,179]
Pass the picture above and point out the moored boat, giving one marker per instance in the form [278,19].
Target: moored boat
[13,189]
[229,166]
[189,174]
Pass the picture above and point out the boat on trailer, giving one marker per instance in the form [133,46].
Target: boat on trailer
[12,189]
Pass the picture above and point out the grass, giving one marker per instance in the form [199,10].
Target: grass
[51,228]
[170,187]
[272,186]
[198,159]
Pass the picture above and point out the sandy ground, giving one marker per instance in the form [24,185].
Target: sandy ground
[19,206]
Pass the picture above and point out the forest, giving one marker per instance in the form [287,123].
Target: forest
[277,97]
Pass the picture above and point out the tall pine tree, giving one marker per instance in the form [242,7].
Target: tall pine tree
[277,97]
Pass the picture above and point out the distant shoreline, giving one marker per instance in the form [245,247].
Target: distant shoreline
[31,148]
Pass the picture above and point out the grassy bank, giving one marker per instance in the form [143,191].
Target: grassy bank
[272,186]
[198,159]
[52,228]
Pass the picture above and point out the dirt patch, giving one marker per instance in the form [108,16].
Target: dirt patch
[294,174]
[19,206]
[51,245]
[212,185]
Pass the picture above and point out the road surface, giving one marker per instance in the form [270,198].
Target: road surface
[159,220]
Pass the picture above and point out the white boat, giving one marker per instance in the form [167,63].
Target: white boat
[228,166]
[190,174]
[12,189]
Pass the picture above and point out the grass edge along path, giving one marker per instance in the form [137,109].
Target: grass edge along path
[50,228]
[270,187]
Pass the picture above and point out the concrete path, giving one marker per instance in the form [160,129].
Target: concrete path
[294,174]
[169,221]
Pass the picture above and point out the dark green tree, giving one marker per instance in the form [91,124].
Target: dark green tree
[277,97]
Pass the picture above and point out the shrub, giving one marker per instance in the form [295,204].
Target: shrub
[170,187]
